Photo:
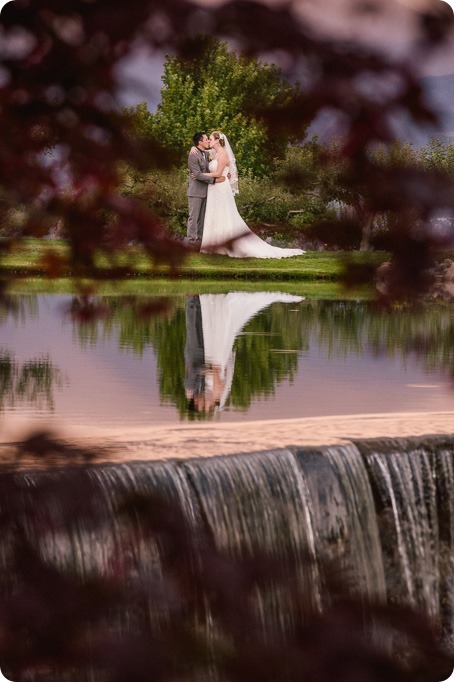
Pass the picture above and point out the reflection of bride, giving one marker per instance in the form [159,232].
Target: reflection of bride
[224,230]
[223,318]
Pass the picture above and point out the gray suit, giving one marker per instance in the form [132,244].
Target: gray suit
[197,194]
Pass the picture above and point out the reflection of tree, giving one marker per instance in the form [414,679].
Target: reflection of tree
[18,308]
[258,369]
[338,327]
[33,381]
[344,327]
[131,320]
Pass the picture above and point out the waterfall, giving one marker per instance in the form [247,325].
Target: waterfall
[255,504]
[380,511]
[344,516]
[412,480]
[444,476]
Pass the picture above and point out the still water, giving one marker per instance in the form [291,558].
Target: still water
[228,357]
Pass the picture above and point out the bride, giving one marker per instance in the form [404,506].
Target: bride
[224,230]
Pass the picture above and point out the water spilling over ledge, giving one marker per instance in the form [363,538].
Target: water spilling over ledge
[379,513]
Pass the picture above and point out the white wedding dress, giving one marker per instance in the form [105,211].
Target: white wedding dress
[226,233]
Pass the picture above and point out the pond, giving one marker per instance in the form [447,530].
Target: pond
[283,529]
[239,356]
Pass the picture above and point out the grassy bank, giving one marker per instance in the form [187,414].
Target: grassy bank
[175,287]
[28,261]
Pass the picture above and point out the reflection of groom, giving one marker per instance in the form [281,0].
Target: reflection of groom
[198,187]
[194,353]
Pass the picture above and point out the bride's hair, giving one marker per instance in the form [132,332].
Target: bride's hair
[219,136]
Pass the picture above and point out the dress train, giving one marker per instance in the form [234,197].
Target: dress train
[226,233]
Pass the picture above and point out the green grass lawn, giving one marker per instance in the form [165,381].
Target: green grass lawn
[26,261]
[315,274]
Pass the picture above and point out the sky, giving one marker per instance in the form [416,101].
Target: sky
[392,31]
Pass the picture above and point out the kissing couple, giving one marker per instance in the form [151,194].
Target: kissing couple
[214,221]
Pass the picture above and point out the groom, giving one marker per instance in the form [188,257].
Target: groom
[198,187]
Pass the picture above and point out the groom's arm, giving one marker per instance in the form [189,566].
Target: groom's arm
[196,173]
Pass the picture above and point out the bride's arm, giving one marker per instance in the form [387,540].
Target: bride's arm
[223,160]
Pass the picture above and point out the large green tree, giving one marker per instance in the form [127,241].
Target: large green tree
[217,90]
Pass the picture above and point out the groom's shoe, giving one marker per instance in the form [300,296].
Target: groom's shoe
[192,243]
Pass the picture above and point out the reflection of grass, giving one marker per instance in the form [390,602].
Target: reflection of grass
[33,381]
[312,266]
[175,287]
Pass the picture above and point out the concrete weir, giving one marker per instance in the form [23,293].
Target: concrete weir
[380,510]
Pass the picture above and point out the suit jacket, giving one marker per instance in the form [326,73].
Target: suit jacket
[198,186]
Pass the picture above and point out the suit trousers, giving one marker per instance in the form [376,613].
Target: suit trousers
[196,218]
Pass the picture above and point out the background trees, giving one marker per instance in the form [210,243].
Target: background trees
[309,195]
[217,89]
[368,222]
[292,189]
